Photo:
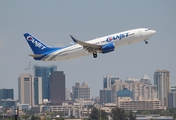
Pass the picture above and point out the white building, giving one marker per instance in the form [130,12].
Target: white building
[128,104]
[162,81]
[25,89]
[71,109]
[140,89]
[81,91]
[67,94]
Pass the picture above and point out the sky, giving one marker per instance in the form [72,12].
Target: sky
[53,21]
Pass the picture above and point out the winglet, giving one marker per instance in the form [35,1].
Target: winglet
[74,39]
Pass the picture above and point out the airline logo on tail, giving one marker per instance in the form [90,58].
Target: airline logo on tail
[35,42]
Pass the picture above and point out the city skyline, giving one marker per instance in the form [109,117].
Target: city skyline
[108,77]
[30,89]
[52,22]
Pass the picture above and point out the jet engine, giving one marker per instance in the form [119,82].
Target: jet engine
[108,48]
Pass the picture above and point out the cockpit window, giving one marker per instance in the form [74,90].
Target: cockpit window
[146,29]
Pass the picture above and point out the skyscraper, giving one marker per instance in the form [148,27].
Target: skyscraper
[6,94]
[25,91]
[81,91]
[162,81]
[57,86]
[44,72]
[108,81]
[38,91]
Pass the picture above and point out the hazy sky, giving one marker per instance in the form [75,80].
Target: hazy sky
[53,21]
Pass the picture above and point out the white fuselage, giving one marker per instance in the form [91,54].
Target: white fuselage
[119,39]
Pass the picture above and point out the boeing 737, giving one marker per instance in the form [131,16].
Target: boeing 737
[103,45]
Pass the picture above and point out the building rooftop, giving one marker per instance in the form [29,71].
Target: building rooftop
[145,77]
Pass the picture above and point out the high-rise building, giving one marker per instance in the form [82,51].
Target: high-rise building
[25,89]
[140,90]
[162,81]
[81,91]
[57,86]
[44,72]
[172,99]
[6,94]
[38,91]
[105,96]
[108,81]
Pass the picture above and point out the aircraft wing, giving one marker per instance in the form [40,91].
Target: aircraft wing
[88,46]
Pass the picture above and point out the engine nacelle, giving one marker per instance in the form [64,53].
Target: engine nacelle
[108,48]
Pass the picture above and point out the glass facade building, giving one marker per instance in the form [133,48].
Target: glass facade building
[44,72]
[8,103]
[124,93]
[108,81]
[6,94]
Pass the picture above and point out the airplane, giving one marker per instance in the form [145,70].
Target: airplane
[102,45]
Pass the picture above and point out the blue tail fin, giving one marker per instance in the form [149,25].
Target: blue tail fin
[36,45]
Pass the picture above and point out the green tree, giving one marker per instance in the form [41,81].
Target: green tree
[95,114]
[145,112]
[174,116]
[164,113]
[103,115]
[25,117]
[8,119]
[59,119]
[132,116]
[35,118]
[118,114]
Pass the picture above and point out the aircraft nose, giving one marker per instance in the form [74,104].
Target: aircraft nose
[152,32]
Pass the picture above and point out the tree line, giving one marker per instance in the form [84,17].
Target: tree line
[116,114]
[121,114]
[97,114]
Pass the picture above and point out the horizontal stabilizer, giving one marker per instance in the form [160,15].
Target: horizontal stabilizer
[36,55]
